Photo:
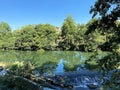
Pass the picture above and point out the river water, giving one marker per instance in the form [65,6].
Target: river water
[50,62]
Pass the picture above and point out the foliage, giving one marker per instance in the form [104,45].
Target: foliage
[46,35]
[5,36]
[109,10]
[23,69]
[68,33]
[26,36]
[36,37]
[7,83]
[81,37]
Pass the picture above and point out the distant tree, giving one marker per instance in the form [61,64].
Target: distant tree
[5,35]
[68,33]
[4,27]
[68,27]
[25,39]
[46,36]
[35,37]
[80,37]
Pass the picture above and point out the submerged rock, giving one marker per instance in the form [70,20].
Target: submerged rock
[2,71]
[80,80]
[93,85]
[80,88]
[36,73]
[45,88]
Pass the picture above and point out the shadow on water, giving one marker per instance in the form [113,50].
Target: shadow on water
[47,68]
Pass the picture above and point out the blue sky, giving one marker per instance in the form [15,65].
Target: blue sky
[23,12]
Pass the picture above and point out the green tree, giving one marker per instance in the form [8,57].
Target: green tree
[35,37]
[68,33]
[109,10]
[94,35]
[4,28]
[94,40]
[25,41]
[92,25]
[5,35]
[80,37]
[46,36]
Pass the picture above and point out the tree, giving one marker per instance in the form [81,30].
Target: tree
[80,37]
[35,37]
[5,35]
[94,35]
[91,26]
[109,10]
[25,41]
[68,27]
[4,27]
[46,36]
[68,33]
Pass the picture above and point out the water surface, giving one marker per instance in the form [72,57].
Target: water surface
[48,61]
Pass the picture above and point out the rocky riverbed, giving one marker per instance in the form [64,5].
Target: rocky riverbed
[78,80]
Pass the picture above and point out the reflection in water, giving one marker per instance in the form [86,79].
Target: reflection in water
[47,68]
[48,61]
[60,67]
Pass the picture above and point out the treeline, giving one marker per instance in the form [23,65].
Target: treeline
[71,36]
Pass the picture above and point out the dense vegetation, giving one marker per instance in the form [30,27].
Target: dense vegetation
[71,36]
[109,12]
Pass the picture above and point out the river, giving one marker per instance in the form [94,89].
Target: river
[48,61]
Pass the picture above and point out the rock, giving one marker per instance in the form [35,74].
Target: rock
[36,73]
[3,72]
[118,81]
[93,85]
[45,88]
[1,68]
[80,88]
